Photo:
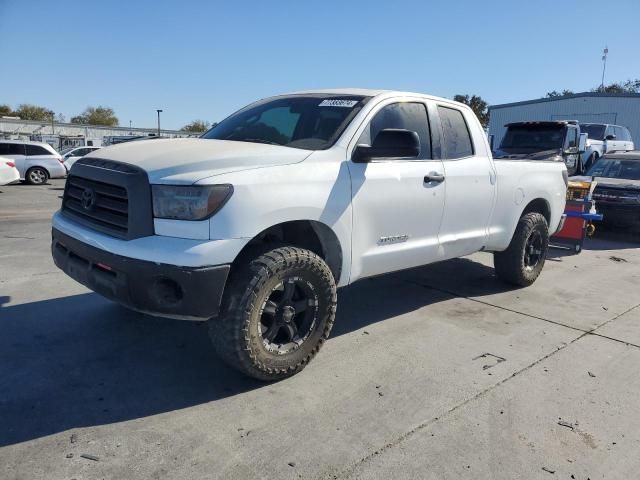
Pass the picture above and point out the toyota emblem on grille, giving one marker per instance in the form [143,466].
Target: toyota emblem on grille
[88,198]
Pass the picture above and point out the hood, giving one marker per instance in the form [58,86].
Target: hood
[188,160]
[541,155]
[606,182]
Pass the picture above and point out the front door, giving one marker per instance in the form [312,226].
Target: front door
[396,210]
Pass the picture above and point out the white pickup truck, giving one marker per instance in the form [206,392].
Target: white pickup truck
[254,225]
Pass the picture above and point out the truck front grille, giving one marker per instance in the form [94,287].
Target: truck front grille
[105,207]
[111,197]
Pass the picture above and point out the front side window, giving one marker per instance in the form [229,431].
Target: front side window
[403,115]
[572,138]
[609,131]
[456,137]
[312,122]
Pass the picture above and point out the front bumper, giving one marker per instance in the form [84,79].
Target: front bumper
[192,293]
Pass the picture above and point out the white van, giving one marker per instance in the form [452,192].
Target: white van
[37,162]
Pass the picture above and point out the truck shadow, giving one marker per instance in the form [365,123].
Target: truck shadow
[81,360]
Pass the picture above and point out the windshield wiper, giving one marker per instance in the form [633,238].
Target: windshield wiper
[254,140]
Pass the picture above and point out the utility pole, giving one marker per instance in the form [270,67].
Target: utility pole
[52,119]
[604,65]
[159,112]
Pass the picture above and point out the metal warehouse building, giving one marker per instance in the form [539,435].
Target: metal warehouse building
[63,135]
[616,108]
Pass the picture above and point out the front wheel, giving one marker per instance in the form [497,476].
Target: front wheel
[277,311]
[521,263]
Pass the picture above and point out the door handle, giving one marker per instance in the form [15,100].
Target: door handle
[434,177]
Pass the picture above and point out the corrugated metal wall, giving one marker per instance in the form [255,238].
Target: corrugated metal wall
[597,109]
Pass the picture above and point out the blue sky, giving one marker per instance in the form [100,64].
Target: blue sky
[205,59]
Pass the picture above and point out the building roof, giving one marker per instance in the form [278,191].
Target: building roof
[564,97]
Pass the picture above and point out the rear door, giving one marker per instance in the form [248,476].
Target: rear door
[396,208]
[16,152]
[470,180]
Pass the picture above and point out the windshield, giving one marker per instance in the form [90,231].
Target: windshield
[311,122]
[616,168]
[595,131]
[67,150]
[533,138]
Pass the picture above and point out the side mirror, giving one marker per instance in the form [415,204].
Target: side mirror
[389,143]
[582,143]
[610,137]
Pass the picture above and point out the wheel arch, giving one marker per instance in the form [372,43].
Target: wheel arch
[538,205]
[309,234]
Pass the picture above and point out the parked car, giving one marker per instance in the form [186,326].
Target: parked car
[617,193]
[8,171]
[257,223]
[559,141]
[36,161]
[70,155]
[604,138]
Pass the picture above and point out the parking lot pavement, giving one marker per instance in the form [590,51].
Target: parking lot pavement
[438,372]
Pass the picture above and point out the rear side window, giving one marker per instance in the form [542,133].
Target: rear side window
[405,115]
[456,137]
[11,149]
[36,150]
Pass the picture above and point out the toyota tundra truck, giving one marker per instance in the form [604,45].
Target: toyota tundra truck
[254,225]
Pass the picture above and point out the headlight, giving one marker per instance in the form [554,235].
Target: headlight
[192,202]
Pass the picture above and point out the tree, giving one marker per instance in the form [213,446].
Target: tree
[197,126]
[629,86]
[6,111]
[554,93]
[478,105]
[26,111]
[97,116]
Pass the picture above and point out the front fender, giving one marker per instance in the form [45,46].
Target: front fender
[312,190]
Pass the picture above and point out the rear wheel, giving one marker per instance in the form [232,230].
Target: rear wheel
[36,176]
[521,263]
[277,311]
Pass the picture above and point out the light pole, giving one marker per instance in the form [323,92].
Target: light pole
[604,65]
[159,112]
[52,120]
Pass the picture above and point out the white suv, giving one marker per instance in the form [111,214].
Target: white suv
[603,138]
[37,162]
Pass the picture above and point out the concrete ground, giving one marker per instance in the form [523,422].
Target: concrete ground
[439,372]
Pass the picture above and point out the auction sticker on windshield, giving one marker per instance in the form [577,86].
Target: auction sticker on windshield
[338,103]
